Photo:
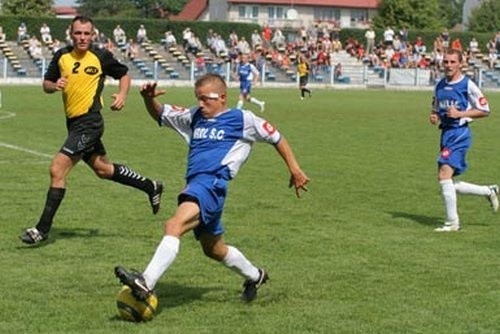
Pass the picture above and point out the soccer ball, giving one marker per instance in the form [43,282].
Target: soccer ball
[132,309]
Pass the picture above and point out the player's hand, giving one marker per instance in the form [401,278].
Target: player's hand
[148,90]
[299,181]
[118,101]
[61,83]
[453,112]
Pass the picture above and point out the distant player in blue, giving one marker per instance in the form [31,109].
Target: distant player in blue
[457,101]
[247,74]
[220,140]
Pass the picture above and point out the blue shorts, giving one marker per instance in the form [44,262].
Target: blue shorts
[455,143]
[210,194]
[245,88]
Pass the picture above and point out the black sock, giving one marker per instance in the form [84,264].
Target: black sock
[54,198]
[302,92]
[129,177]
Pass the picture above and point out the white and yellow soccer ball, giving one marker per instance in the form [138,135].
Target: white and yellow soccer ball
[132,309]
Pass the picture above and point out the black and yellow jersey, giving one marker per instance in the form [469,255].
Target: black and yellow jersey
[85,75]
[303,69]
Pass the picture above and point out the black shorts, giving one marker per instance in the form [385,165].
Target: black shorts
[303,80]
[84,136]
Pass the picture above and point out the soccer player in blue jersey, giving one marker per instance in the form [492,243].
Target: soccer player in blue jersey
[220,140]
[457,101]
[247,74]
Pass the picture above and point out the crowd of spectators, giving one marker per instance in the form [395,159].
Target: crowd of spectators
[319,43]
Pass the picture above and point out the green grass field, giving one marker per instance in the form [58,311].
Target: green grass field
[356,254]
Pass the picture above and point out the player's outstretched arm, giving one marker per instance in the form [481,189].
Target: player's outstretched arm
[149,93]
[298,179]
[120,97]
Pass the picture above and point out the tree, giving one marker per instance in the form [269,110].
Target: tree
[28,7]
[130,8]
[451,11]
[414,14]
[485,18]
[106,8]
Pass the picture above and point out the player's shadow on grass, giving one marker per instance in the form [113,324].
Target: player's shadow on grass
[173,295]
[59,233]
[421,219]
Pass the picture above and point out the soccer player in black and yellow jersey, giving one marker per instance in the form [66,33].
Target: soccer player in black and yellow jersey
[79,71]
[303,72]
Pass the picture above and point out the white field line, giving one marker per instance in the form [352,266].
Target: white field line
[8,114]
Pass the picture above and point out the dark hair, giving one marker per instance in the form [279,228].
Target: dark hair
[82,19]
[455,52]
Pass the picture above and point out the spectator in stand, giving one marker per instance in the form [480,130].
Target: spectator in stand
[242,46]
[220,47]
[403,35]
[266,36]
[186,35]
[492,58]
[474,46]
[397,44]
[45,34]
[388,36]
[3,37]
[119,35]
[438,44]
[67,37]
[56,45]
[22,33]
[256,39]
[370,40]
[445,36]
[142,34]
[170,40]
[278,39]
[194,45]
[336,45]
[497,42]
[419,46]
[233,39]
[131,49]
[200,64]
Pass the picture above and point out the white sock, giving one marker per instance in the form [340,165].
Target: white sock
[449,195]
[255,101]
[236,261]
[239,105]
[471,189]
[165,254]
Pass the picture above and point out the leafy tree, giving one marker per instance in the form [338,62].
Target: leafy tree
[414,14]
[486,17]
[105,8]
[28,7]
[130,8]
[159,8]
[451,12]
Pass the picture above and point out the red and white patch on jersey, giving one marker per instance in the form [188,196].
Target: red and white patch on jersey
[178,109]
[445,153]
[269,128]
[483,101]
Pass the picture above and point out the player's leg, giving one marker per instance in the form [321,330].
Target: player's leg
[184,220]
[59,169]
[125,175]
[449,196]
[490,192]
